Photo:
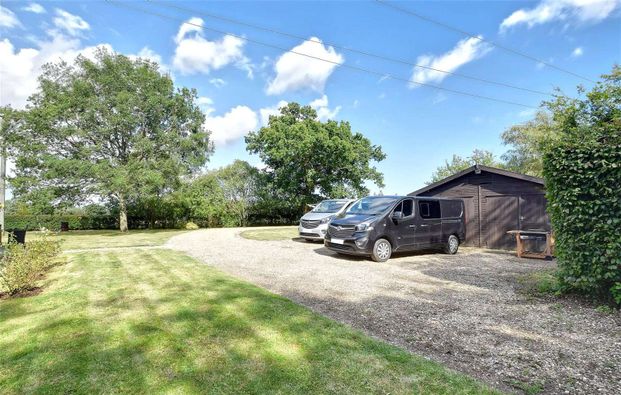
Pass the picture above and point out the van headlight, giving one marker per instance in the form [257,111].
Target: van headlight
[364,227]
[327,219]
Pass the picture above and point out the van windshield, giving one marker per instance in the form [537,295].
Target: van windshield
[372,205]
[329,206]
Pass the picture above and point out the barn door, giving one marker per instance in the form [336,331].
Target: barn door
[471,214]
[499,214]
[533,212]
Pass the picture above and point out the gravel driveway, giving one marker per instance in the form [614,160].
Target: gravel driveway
[462,310]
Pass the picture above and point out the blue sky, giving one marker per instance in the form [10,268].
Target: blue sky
[240,83]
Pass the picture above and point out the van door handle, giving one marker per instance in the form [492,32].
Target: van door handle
[424,225]
[412,226]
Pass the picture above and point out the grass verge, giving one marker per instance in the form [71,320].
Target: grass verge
[92,239]
[157,321]
[275,233]
[539,283]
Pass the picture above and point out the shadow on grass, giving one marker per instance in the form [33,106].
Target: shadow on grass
[146,321]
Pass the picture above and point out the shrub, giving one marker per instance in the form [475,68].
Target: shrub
[22,265]
[191,226]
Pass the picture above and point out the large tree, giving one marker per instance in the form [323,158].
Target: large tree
[526,141]
[111,127]
[239,182]
[306,159]
[459,163]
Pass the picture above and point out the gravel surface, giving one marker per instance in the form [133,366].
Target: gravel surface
[464,311]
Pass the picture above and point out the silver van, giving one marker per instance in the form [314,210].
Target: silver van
[314,224]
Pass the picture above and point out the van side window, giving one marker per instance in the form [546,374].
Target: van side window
[429,209]
[408,207]
[399,208]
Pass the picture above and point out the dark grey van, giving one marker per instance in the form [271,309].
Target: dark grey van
[377,226]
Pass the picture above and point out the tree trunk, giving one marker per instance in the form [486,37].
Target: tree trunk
[122,214]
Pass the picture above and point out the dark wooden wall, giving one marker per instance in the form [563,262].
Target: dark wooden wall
[494,205]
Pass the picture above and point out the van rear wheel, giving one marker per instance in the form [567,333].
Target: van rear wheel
[452,245]
[382,250]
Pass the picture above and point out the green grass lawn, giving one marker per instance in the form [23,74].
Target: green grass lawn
[90,239]
[275,233]
[157,321]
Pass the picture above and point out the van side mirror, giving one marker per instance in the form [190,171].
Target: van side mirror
[397,216]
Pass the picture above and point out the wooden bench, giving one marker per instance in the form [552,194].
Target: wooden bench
[521,235]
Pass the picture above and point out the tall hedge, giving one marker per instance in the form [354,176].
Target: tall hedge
[583,182]
[582,170]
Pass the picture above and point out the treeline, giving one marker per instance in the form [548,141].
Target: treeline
[235,195]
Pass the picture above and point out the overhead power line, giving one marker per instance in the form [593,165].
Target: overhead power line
[346,66]
[500,46]
[349,49]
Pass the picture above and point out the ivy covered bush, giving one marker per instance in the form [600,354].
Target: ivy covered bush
[582,170]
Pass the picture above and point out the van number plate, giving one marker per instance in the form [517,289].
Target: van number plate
[337,241]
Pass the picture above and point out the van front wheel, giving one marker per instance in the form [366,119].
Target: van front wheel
[381,250]
[452,245]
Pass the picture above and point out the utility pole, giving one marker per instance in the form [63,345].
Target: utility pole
[2,188]
[2,178]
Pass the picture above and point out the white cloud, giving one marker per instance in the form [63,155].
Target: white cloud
[193,24]
[8,18]
[465,51]
[323,111]
[217,82]
[577,52]
[236,123]
[149,54]
[19,69]
[296,72]
[195,54]
[35,8]
[580,11]
[205,104]
[267,111]
[72,24]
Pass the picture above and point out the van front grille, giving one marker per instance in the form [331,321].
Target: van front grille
[307,224]
[341,231]
[340,247]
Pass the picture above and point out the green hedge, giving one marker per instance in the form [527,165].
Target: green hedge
[583,182]
[52,222]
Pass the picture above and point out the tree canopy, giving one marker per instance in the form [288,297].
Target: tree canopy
[110,127]
[459,163]
[525,140]
[306,158]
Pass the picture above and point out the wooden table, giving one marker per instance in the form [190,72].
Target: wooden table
[521,235]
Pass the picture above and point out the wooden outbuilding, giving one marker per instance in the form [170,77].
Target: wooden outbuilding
[496,201]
